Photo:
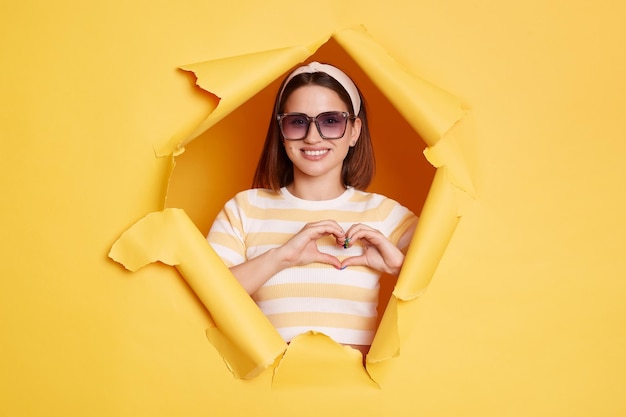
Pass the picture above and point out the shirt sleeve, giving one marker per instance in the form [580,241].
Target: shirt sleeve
[400,221]
[227,236]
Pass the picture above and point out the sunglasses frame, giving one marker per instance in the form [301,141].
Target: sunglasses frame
[313,119]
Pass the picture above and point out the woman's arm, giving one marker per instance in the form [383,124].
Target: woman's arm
[300,250]
[253,273]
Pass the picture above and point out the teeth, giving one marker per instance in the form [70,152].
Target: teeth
[316,153]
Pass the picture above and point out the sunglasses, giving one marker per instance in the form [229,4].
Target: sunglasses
[330,124]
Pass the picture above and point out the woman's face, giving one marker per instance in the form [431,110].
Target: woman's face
[314,157]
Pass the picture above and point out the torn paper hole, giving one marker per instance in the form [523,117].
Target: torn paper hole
[245,341]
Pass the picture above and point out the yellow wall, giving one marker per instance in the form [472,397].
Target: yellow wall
[524,315]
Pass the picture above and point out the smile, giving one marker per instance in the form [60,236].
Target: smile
[318,152]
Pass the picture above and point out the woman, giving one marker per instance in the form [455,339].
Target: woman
[307,242]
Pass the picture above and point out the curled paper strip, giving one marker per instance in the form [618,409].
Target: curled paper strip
[233,82]
[242,334]
[437,225]
[430,110]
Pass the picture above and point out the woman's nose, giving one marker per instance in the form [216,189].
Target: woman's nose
[313,135]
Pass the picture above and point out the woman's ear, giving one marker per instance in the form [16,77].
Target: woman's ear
[355,131]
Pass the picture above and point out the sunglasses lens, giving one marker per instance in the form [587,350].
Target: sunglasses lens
[294,126]
[332,125]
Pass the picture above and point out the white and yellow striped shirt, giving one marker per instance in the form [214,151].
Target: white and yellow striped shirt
[318,297]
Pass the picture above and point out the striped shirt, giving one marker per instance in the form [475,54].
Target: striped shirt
[316,297]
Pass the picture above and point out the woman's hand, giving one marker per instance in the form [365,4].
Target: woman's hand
[302,248]
[378,252]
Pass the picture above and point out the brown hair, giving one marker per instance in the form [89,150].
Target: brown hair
[275,170]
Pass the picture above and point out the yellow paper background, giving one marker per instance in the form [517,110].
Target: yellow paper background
[524,315]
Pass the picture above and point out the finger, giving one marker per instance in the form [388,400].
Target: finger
[327,222]
[360,260]
[329,225]
[350,236]
[318,231]
[354,228]
[325,258]
[344,241]
[369,236]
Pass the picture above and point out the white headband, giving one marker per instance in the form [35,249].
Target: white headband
[334,72]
